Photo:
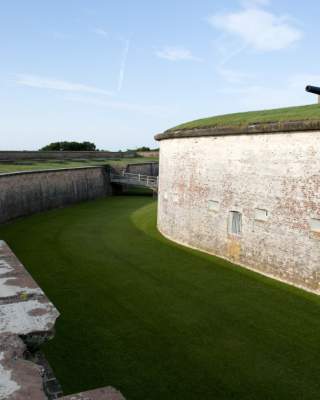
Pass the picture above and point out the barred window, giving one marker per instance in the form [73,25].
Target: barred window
[235,222]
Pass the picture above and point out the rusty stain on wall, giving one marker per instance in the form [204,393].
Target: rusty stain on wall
[234,249]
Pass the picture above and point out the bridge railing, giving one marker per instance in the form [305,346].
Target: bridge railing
[139,179]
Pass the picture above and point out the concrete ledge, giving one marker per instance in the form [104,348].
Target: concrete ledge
[257,128]
[24,308]
[20,379]
[27,319]
[107,393]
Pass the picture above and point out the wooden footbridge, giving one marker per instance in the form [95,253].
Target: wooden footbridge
[128,179]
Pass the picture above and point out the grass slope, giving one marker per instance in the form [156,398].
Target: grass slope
[160,321]
[40,165]
[300,113]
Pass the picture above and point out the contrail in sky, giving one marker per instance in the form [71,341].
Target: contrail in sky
[123,64]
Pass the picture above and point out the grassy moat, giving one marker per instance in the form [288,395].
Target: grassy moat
[159,321]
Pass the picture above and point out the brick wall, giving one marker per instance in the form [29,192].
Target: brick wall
[202,179]
[147,168]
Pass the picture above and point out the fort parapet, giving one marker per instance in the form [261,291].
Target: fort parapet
[250,194]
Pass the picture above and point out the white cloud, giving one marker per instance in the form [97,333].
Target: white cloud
[101,32]
[41,82]
[258,28]
[176,54]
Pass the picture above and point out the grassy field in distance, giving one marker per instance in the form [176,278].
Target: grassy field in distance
[55,164]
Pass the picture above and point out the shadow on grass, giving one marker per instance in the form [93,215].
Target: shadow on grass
[137,191]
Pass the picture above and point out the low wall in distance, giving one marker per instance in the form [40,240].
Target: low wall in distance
[61,155]
[147,168]
[148,154]
[24,193]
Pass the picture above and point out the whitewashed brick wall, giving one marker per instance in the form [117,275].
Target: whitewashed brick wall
[277,172]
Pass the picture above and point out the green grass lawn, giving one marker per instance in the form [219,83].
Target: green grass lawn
[160,321]
[40,165]
[308,112]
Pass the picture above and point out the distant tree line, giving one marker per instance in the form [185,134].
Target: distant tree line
[143,148]
[70,146]
[84,146]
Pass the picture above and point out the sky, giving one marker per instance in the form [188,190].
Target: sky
[117,72]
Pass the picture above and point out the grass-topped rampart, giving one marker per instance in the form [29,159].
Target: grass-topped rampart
[301,113]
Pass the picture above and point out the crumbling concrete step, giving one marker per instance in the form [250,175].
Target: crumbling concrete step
[27,319]
[107,393]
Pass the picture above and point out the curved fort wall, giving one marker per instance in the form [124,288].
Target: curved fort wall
[250,197]
[25,193]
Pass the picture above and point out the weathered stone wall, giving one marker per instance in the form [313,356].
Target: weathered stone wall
[27,319]
[147,168]
[148,154]
[202,179]
[61,155]
[25,193]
